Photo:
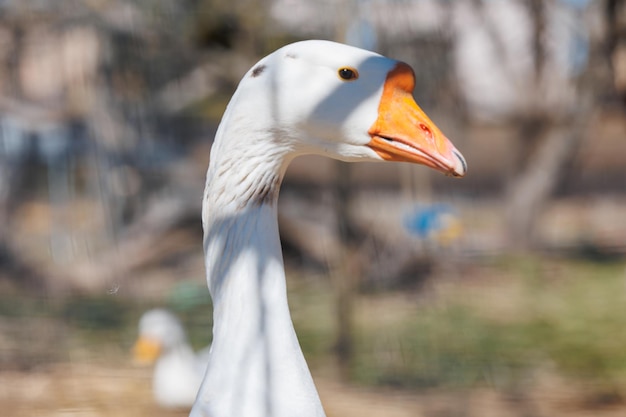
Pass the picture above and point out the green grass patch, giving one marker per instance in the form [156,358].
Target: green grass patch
[566,315]
[494,327]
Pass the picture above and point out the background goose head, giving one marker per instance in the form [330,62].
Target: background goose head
[321,97]
[159,332]
[178,370]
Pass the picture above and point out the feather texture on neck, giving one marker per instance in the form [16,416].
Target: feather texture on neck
[256,367]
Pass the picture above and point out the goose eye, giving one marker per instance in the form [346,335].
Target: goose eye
[348,74]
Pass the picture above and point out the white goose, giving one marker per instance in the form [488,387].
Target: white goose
[178,371]
[311,97]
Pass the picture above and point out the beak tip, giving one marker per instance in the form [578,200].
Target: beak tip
[460,168]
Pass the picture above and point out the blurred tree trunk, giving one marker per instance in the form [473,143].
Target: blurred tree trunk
[346,273]
[546,144]
[543,169]
[616,45]
[538,155]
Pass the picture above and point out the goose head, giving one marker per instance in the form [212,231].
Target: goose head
[321,97]
[159,332]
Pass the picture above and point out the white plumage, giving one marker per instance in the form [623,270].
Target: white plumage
[312,97]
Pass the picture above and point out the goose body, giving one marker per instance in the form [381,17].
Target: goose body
[178,370]
[310,97]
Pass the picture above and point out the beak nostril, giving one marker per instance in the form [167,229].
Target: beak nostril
[425,128]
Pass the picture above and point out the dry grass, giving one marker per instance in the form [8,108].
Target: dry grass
[94,390]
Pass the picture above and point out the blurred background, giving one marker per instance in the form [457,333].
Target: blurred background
[413,294]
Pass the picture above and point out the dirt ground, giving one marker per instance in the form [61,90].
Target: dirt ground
[82,389]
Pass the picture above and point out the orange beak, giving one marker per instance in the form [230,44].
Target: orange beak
[404,133]
[146,350]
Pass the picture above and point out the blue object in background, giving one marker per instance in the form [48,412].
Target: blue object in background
[435,221]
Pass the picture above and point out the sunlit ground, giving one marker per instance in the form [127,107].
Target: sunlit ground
[509,336]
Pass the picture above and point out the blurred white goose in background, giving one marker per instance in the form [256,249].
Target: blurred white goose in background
[311,97]
[178,371]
